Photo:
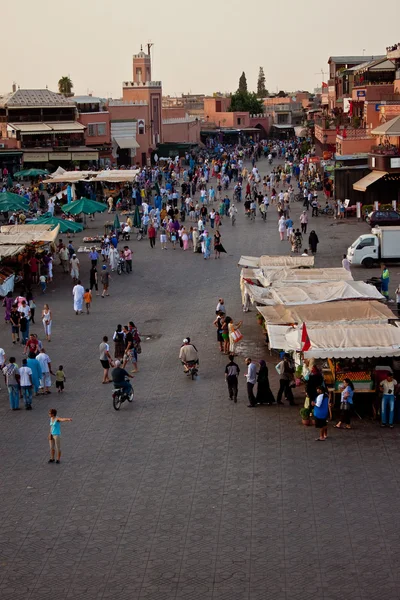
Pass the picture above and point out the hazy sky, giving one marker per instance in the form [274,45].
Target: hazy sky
[199,47]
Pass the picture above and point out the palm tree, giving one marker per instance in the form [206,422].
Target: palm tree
[65,86]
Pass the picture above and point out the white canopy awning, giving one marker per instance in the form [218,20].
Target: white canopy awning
[339,341]
[285,276]
[311,293]
[27,234]
[362,184]
[356,311]
[126,142]
[117,175]
[276,261]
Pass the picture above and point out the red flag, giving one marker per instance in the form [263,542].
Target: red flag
[305,340]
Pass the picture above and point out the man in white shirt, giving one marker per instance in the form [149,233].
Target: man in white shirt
[251,378]
[45,365]
[26,384]
[24,309]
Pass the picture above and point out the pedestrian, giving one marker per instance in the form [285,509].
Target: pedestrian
[15,317]
[113,256]
[289,228]
[74,264]
[105,358]
[119,343]
[282,227]
[385,280]
[31,304]
[24,328]
[47,322]
[151,233]
[221,307]
[25,373]
[304,221]
[232,378]
[87,298]
[206,245]
[45,365]
[93,280]
[93,255]
[7,303]
[128,259]
[397,292]
[12,376]
[387,386]
[251,378]
[36,369]
[55,435]
[321,411]
[264,393]
[43,283]
[78,291]
[346,263]
[105,280]
[286,379]
[60,379]
[163,237]
[313,241]
[346,404]
[218,324]
[218,247]
[314,204]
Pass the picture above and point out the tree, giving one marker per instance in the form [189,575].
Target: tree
[65,85]
[242,83]
[261,89]
[282,94]
[246,102]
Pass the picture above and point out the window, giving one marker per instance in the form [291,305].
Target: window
[365,243]
[95,129]
[239,121]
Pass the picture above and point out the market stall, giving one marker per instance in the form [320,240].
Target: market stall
[270,276]
[340,312]
[290,262]
[311,293]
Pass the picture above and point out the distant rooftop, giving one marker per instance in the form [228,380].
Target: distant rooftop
[87,99]
[38,98]
[353,60]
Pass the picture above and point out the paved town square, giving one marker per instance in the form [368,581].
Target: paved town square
[183,494]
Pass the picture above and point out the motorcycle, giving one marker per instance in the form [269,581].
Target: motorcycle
[140,234]
[121,266]
[119,396]
[192,369]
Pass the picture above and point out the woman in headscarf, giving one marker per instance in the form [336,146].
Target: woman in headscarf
[119,343]
[113,257]
[264,394]
[313,241]
[207,245]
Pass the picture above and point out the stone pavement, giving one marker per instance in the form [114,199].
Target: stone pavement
[183,495]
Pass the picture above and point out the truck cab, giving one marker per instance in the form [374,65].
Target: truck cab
[364,251]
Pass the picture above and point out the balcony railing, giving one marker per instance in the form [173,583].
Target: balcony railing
[385,150]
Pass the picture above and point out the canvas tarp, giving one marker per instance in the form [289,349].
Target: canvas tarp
[356,311]
[71,177]
[7,251]
[340,341]
[284,276]
[118,175]
[276,261]
[26,234]
[311,293]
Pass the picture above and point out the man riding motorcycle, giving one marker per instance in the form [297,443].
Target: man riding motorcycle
[119,376]
[188,355]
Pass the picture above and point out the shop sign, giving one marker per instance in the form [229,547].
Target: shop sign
[360,93]
[36,157]
[59,155]
[85,155]
[395,163]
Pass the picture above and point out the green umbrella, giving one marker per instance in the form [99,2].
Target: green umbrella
[85,206]
[10,201]
[31,173]
[137,221]
[65,226]
[117,224]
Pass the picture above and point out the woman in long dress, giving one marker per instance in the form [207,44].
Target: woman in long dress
[231,328]
[119,343]
[113,258]
[264,394]
[207,245]
[218,247]
[7,303]
[47,321]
